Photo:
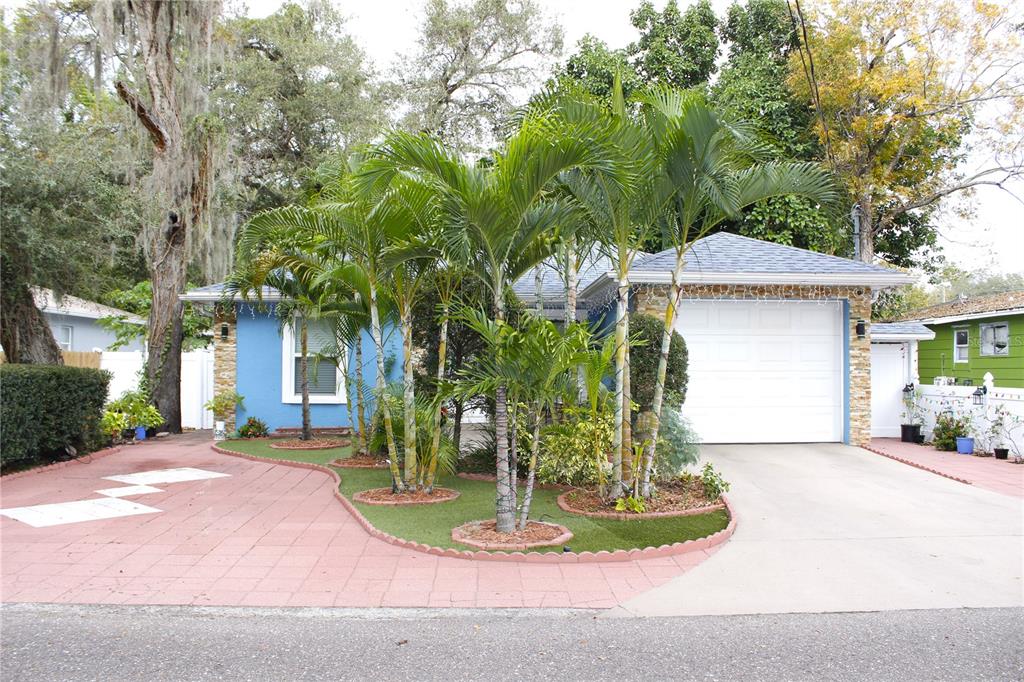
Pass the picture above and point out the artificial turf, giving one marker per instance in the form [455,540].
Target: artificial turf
[432,524]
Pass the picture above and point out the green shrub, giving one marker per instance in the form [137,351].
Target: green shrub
[646,332]
[567,450]
[45,408]
[678,444]
[253,428]
[949,427]
[714,484]
[135,406]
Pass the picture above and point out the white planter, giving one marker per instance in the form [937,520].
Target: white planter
[220,431]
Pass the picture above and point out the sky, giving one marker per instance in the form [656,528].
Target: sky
[993,239]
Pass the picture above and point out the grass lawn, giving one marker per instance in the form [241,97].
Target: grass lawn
[432,524]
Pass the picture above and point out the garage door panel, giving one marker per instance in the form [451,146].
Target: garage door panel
[764,371]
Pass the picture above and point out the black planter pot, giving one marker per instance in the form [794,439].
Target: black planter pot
[909,433]
[1001,453]
[920,438]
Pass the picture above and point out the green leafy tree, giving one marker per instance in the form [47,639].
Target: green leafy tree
[137,300]
[593,68]
[675,48]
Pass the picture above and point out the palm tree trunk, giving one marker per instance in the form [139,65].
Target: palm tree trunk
[363,449]
[513,451]
[307,428]
[524,514]
[389,429]
[504,513]
[435,443]
[571,286]
[628,465]
[538,288]
[409,398]
[671,306]
[621,341]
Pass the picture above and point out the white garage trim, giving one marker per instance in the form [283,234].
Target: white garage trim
[765,371]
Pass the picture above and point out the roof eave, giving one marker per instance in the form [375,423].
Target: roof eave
[969,316]
[903,337]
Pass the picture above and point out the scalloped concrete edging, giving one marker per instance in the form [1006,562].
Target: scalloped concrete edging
[564,505]
[917,465]
[358,497]
[84,459]
[676,548]
[458,535]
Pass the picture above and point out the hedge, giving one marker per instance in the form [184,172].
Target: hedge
[44,408]
[646,331]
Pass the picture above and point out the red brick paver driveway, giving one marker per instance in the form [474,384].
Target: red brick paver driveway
[267,535]
[997,475]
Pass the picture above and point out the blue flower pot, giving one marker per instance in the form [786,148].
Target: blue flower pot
[965,446]
[140,433]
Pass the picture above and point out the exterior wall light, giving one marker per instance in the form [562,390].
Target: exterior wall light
[224,329]
[978,397]
[862,329]
[908,391]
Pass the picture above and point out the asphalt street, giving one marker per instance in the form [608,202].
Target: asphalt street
[52,642]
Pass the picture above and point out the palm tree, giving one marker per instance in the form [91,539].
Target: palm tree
[275,250]
[714,170]
[497,219]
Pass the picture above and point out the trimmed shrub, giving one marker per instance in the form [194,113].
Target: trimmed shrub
[678,444]
[947,429]
[646,331]
[45,408]
[253,428]
[567,450]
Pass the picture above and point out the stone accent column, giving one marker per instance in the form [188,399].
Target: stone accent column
[225,358]
[860,367]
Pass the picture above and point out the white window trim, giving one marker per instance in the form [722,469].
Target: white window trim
[981,342]
[967,345]
[71,336]
[289,397]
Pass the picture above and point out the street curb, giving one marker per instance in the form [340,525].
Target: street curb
[916,465]
[84,459]
[675,549]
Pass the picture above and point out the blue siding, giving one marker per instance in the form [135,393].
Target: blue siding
[86,333]
[259,373]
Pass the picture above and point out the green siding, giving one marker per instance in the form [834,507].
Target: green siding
[935,357]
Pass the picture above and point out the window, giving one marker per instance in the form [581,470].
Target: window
[961,338]
[995,338]
[65,336]
[326,382]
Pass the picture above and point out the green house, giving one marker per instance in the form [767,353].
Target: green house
[974,336]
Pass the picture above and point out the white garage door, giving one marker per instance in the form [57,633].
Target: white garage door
[764,371]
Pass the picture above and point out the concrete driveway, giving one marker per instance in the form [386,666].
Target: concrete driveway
[834,528]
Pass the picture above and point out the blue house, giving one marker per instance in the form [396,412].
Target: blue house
[258,355]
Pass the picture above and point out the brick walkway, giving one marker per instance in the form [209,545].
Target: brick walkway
[1001,476]
[266,535]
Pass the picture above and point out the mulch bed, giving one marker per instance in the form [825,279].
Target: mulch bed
[482,535]
[384,496]
[675,498]
[314,444]
[359,462]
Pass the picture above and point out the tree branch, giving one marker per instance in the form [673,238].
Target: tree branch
[146,118]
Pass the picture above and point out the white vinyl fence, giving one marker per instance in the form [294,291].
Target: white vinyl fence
[196,381]
[934,400]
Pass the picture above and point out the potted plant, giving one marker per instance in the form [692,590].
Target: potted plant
[910,429]
[223,405]
[136,414]
[1002,427]
[949,428]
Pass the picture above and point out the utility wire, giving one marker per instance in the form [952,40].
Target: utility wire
[804,45]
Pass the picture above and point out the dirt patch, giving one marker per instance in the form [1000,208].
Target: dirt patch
[676,498]
[359,462]
[313,444]
[482,535]
[384,496]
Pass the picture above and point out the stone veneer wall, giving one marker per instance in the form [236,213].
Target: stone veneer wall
[225,359]
[650,299]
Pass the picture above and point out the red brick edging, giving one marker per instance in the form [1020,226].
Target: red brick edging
[362,499]
[459,535]
[674,549]
[917,465]
[84,459]
[564,505]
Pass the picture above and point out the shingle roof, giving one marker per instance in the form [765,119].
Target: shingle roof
[897,330]
[553,287]
[973,305]
[215,292]
[48,302]
[726,252]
